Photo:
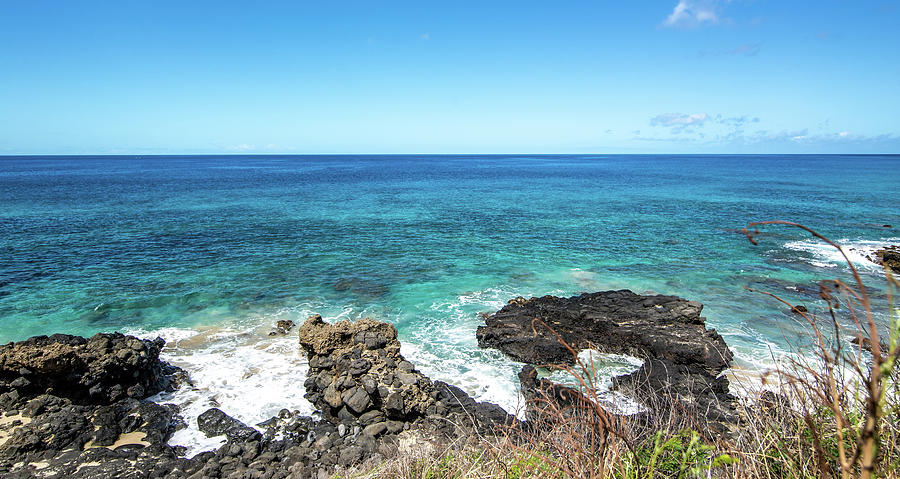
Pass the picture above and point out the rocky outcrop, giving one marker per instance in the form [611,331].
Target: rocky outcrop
[76,408]
[683,359]
[889,256]
[358,376]
[371,402]
[100,370]
[73,407]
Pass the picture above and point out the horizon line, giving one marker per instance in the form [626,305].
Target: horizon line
[169,155]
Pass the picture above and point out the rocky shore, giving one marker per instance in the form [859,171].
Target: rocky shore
[683,360]
[77,408]
[889,257]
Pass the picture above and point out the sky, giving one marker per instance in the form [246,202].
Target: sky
[656,76]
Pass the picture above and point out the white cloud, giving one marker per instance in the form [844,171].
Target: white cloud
[240,147]
[736,122]
[803,137]
[689,13]
[843,137]
[714,131]
[679,14]
[684,123]
[678,120]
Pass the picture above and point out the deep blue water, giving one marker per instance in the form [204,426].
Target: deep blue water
[93,244]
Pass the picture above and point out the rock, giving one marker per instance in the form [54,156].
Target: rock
[371,417]
[100,370]
[376,429]
[20,382]
[214,422]
[361,363]
[407,379]
[683,359]
[359,366]
[394,426]
[285,325]
[889,257]
[357,399]
[663,384]
[665,327]
[77,408]
[318,337]
[797,309]
[866,344]
[350,455]
[333,396]
[282,327]
[393,403]
[94,423]
[539,391]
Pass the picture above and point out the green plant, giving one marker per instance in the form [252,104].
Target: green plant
[530,464]
[680,456]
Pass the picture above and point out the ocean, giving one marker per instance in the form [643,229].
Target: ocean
[210,251]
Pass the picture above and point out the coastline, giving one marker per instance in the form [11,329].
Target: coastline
[428,255]
[102,406]
[322,343]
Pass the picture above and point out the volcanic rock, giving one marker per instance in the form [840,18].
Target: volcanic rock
[72,408]
[282,327]
[214,422]
[100,370]
[682,358]
[357,374]
[889,256]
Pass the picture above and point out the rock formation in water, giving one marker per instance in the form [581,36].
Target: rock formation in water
[358,376]
[76,408]
[889,256]
[102,369]
[683,360]
[72,407]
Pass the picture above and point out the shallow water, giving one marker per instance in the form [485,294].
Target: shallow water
[209,252]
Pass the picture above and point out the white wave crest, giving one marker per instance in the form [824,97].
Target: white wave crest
[858,252]
[247,374]
[601,368]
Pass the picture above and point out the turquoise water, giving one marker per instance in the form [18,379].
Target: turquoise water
[174,245]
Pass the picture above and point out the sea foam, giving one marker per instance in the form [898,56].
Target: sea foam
[597,370]
[252,376]
[246,373]
[824,255]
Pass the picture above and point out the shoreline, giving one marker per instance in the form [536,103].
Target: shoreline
[156,441]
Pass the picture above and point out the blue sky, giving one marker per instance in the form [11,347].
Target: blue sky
[666,76]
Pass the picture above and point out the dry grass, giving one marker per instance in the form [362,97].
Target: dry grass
[834,413]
